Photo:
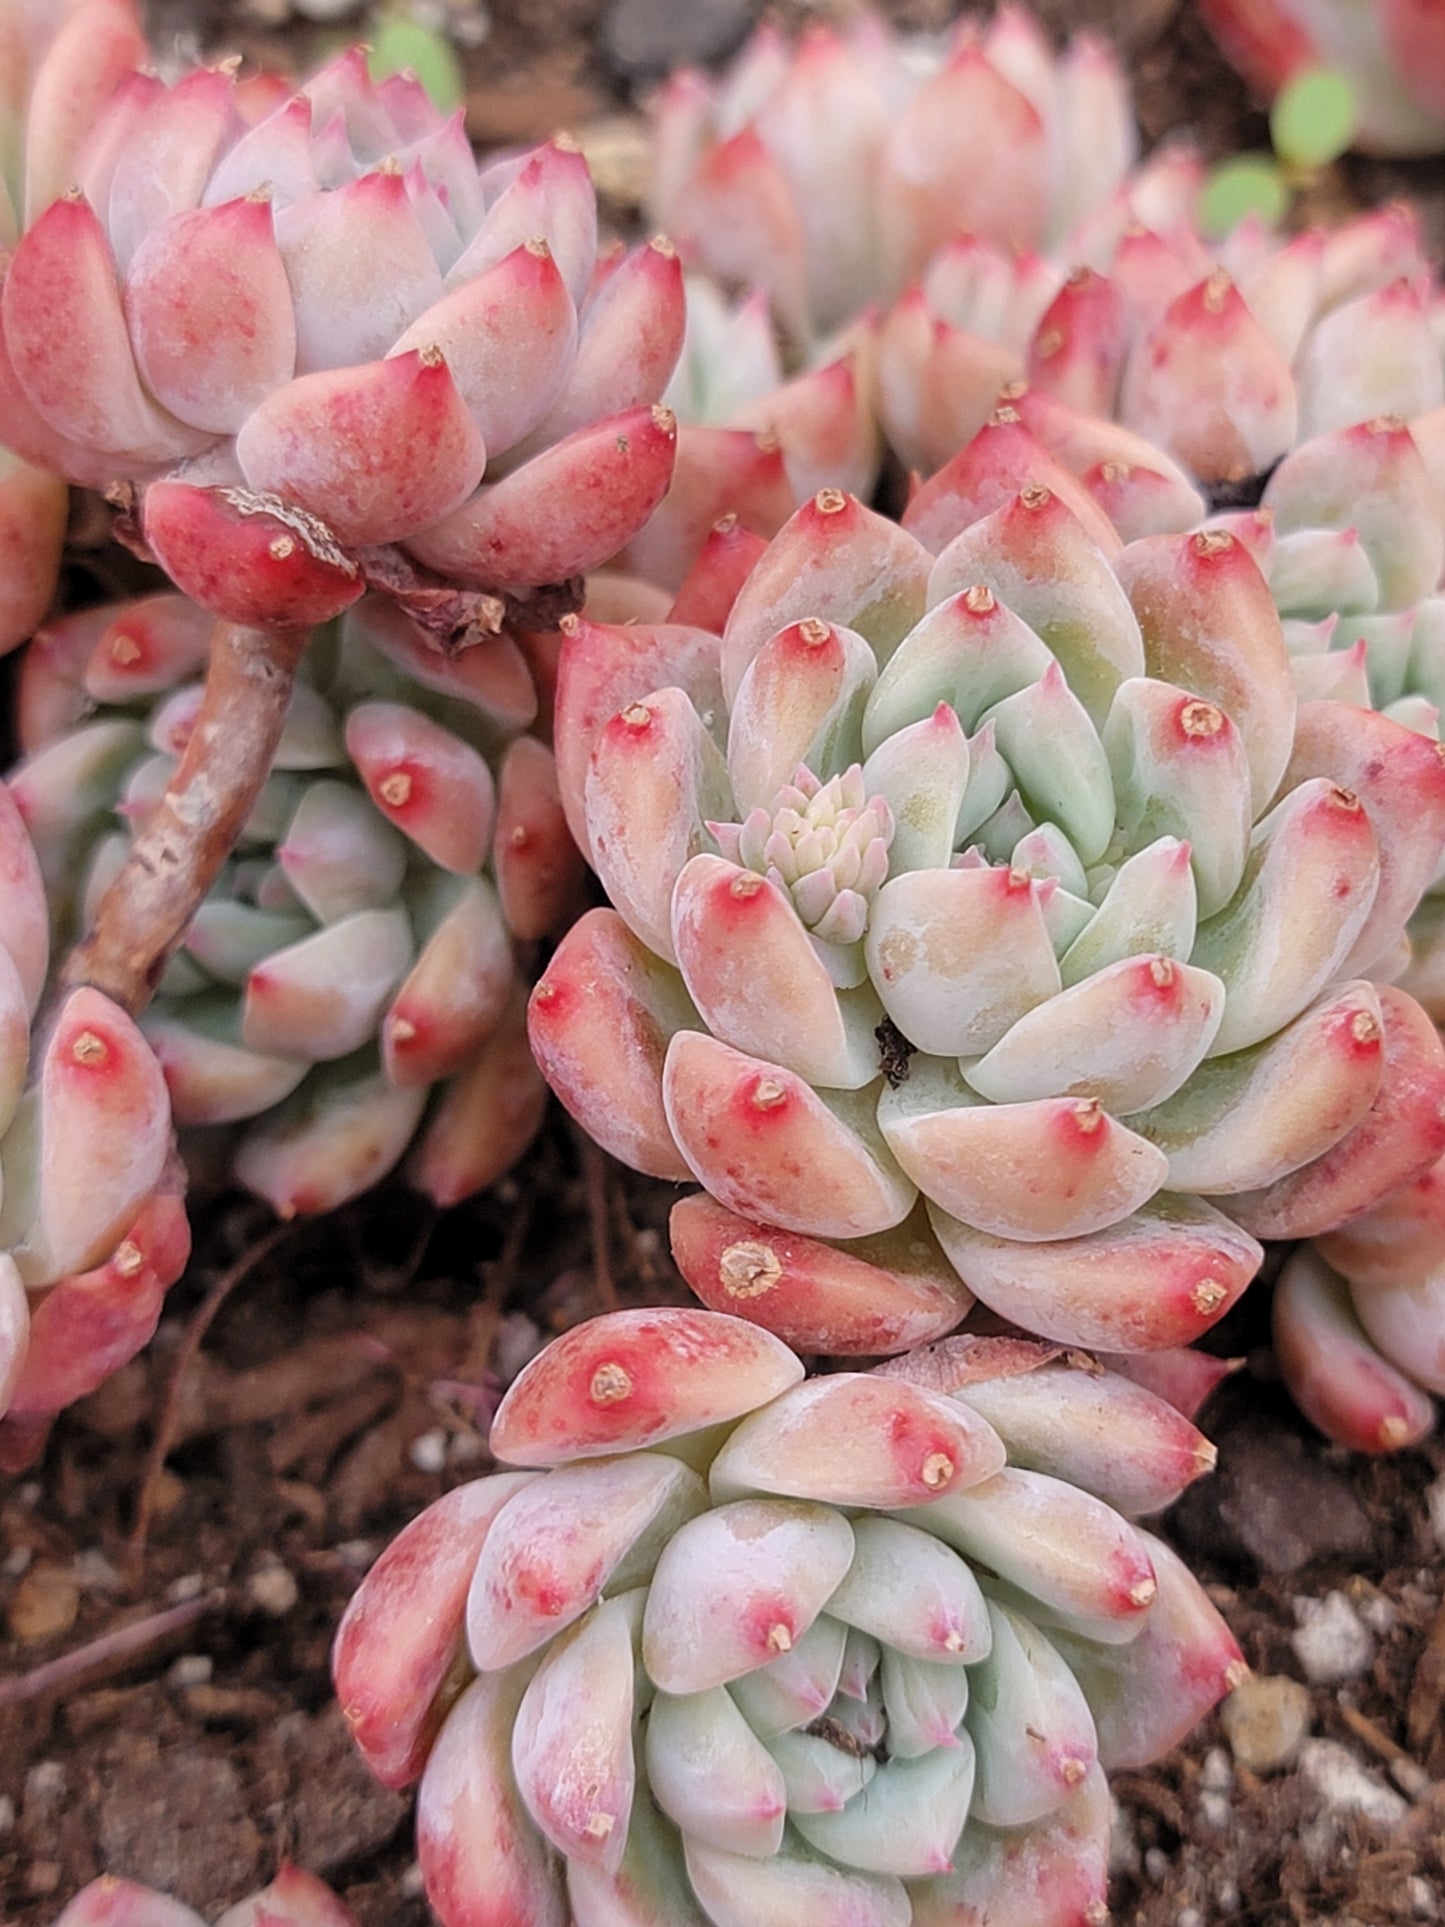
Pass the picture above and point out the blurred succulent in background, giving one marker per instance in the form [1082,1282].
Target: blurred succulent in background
[828,175]
[1391,53]
[987,860]
[740,1646]
[356,959]
[92,1228]
[1311,123]
[293,1899]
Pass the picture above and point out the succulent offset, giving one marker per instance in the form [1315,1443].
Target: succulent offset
[744,1647]
[299,327]
[358,950]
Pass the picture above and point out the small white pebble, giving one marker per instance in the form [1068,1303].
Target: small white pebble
[1217,1773]
[355,1553]
[16,1561]
[273,1588]
[1156,1865]
[189,1586]
[1435,1501]
[29,1493]
[191,1669]
[429,1452]
[1346,1785]
[1333,1643]
[1424,1900]
[413,1886]
[1228,1896]
[1379,1613]
[1190,1917]
[1215,1809]
[44,1781]
[7,1815]
[519,1339]
[1123,1841]
[1410,1777]
[93,1572]
[466,1449]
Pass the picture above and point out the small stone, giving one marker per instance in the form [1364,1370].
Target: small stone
[1265,1720]
[1156,1865]
[7,1815]
[1215,1810]
[1190,1917]
[44,1604]
[42,1877]
[43,1782]
[16,1561]
[1435,1503]
[1333,1644]
[1228,1895]
[93,1572]
[1123,1843]
[1216,1775]
[1424,1899]
[190,1585]
[1346,1785]
[429,1452]
[191,1669]
[273,1589]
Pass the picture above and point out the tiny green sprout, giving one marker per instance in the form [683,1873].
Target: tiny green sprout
[1312,121]
[400,44]
[1247,184]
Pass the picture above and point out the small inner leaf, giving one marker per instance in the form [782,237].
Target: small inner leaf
[1312,121]
[1247,184]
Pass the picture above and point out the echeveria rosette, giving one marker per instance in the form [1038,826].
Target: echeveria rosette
[1111,1002]
[829,173]
[92,1228]
[302,332]
[351,983]
[737,1646]
[1391,52]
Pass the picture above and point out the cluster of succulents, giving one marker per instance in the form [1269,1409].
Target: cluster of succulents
[1035,899]
[358,950]
[736,1645]
[1391,52]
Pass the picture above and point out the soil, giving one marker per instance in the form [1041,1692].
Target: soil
[172,1569]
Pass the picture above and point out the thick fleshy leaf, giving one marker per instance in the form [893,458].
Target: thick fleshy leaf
[912,1593]
[480,1855]
[564,512]
[856,1440]
[600,1021]
[396,1661]
[560,1542]
[1160,1278]
[322,998]
[329,443]
[454,994]
[1032,1732]
[431,783]
[487,1115]
[879,1295]
[1337,1377]
[1054,1873]
[249,558]
[538,868]
[33,509]
[769,1146]
[331,1141]
[712,1775]
[782,1558]
[637,1378]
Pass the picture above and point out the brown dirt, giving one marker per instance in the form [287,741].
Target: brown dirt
[347,1380]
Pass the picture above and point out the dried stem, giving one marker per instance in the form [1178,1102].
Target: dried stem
[178,855]
[168,1419]
[109,1652]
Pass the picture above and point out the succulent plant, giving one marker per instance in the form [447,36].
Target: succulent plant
[830,174]
[294,1898]
[738,1646]
[1024,883]
[91,1231]
[1391,51]
[356,960]
[301,325]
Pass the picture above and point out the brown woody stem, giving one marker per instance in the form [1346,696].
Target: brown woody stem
[178,855]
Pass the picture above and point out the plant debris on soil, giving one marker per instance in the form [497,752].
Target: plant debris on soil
[173,1568]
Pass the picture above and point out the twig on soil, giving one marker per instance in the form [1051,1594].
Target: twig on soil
[599,1218]
[109,1652]
[178,855]
[169,1416]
